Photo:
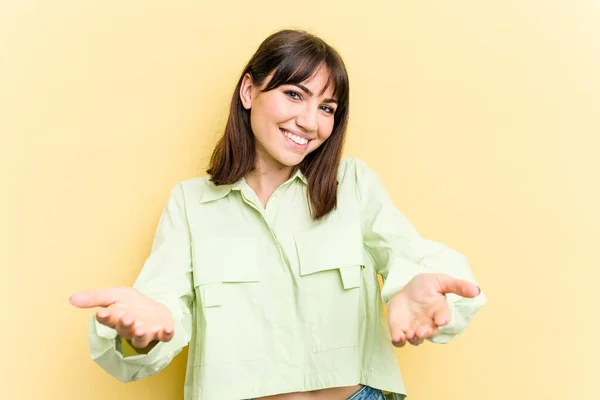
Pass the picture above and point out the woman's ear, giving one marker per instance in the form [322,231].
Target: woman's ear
[246,91]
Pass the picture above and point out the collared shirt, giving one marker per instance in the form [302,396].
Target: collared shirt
[271,301]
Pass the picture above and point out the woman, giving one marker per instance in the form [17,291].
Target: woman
[268,267]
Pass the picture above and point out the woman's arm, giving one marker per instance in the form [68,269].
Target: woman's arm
[166,278]
[400,254]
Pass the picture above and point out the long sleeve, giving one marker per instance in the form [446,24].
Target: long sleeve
[399,253]
[165,277]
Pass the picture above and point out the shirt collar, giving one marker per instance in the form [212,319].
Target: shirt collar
[214,192]
[298,174]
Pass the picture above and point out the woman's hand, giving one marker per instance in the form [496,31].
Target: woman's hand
[417,311]
[136,317]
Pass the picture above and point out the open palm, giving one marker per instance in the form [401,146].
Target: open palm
[418,310]
[136,317]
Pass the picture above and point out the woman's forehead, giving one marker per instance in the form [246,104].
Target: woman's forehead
[319,83]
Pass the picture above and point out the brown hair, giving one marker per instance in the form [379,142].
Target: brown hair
[292,56]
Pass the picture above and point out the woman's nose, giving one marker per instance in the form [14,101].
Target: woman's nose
[308,119]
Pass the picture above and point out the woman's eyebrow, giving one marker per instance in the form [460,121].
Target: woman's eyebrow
[310,93]
[305,89]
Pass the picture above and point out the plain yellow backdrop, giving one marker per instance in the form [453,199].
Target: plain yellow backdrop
[482,118]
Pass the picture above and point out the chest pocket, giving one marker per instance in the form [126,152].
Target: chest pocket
[230,313]
[331,263]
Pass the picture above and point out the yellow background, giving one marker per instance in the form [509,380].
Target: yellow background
[482,117]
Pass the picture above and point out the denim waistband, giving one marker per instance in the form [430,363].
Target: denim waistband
[366,393]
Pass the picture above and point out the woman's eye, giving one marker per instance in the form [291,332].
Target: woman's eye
[293,95]
[328,109]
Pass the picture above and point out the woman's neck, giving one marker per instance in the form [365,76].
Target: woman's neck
[267,177]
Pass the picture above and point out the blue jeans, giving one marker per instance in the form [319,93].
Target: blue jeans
[366,393]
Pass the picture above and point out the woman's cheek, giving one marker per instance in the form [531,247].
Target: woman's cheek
[326,131]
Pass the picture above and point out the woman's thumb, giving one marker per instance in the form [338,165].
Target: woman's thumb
[93,298]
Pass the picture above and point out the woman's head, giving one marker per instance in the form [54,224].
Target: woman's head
[290,107]
[291,120]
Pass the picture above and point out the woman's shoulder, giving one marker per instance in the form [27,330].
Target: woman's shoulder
[354,171]
[193,188]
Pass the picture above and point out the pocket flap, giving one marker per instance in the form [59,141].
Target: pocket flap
[211,294]
[351,276]
[327,247]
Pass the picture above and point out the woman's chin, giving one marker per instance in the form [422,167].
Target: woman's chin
[290,159]
[295,162]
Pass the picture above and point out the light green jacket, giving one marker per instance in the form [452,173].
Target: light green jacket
[271,301]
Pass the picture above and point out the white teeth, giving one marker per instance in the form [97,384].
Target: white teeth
[297,139]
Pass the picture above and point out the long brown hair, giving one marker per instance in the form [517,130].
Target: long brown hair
[292,56]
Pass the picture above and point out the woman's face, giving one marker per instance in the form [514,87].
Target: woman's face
[291,120]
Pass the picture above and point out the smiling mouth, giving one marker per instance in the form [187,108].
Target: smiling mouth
[294,138]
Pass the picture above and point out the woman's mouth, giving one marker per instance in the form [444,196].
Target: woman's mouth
[296,141]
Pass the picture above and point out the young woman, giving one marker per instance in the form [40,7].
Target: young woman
[268,266]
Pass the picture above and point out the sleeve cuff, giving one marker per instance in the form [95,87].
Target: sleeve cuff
[462,310]
[103,340]
[400,273]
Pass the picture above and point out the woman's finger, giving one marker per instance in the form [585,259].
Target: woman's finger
[399,340]
[108,317]
[125,326]
[102,313]
[397,326]
[442,315]
[416,341]
[143,336]
[460,287]
[165,334]
[423,332]
[93,298]
[140,337]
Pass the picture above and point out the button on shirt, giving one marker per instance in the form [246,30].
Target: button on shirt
[271,301]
